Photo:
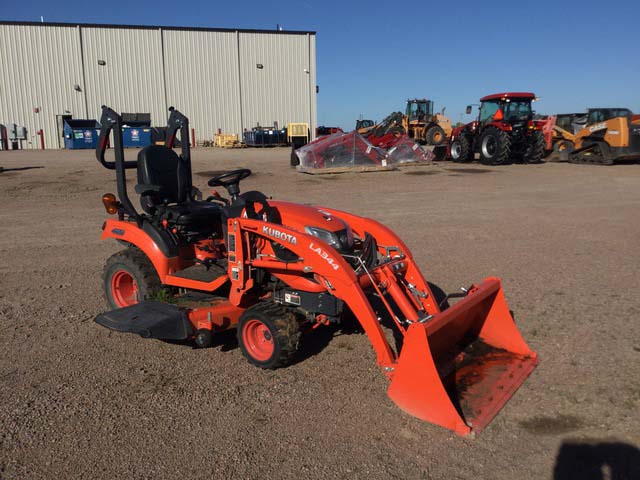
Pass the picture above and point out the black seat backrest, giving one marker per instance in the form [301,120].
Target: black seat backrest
[159,165]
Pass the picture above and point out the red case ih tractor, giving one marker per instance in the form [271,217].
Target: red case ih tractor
[273,270]
[504,132]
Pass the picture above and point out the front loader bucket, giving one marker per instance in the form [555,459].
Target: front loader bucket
[458,369]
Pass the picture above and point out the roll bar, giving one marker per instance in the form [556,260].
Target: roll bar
[110,120]
[177,121]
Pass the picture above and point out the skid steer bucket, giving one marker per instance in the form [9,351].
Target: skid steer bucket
[460,367]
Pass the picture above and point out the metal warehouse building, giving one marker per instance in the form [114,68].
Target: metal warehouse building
[220,78]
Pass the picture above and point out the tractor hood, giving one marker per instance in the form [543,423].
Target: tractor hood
[297,216]
[315,221]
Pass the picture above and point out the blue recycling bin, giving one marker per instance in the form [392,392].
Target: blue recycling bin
[80,133]
[136,137]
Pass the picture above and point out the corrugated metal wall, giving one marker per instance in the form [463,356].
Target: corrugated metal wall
[313,82]
[202,79]
[210,75]
[39,68]
[279,91]
[131,80]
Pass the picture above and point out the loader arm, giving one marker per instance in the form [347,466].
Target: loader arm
[455,368]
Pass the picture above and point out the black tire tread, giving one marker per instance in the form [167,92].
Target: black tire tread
[535,151]
[504,147]
[428,136]
[139,265]
[587,157]
[466,155]
[287,332]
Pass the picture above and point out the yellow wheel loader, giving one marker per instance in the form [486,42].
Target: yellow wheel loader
[418,121]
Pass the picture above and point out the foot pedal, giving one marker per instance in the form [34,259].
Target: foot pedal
[149,320]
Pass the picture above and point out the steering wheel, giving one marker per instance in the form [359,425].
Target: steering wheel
[230,180]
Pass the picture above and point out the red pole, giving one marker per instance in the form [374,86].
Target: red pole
[41,133]
[193,137]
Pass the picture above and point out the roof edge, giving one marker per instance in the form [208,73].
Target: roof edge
[494,96]
[153,27]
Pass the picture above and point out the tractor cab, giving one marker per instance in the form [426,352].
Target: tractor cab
[419,111]
[597,115]
[512,108]
[364,124]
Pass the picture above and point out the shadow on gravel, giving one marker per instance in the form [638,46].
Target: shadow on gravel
[18,169]
[469,170]
[211,173]
[597,461]
[227,340]
[421,172]
[547,425]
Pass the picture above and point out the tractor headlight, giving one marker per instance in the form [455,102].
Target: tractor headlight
[341,241]
[326,236]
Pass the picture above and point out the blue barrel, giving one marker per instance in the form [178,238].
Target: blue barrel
[81,133]
[136,137]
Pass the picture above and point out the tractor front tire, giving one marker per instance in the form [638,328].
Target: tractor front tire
[435,136]
[129,277]
[535,150]
[269,335]
[461,150]
[495,147]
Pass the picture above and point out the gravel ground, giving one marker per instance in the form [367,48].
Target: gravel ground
[79,401]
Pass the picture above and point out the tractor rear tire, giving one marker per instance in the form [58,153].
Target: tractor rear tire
[435,136]
[129,277]
[535,151]
[461,150]
[269,335]
[495,146]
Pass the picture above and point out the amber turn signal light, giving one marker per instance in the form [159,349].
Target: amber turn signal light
[110,203]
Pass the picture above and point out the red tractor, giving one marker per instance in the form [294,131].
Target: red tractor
[504,132]
[274,270]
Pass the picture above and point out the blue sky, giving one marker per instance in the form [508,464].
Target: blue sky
[372,56]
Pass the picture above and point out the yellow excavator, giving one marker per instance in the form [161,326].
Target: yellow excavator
[610,135]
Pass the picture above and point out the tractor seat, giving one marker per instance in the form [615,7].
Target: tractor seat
[164,187]
[191,213]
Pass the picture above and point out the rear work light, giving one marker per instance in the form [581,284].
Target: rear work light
[110,203]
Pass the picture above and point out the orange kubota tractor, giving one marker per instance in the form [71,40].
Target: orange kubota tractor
[271,269]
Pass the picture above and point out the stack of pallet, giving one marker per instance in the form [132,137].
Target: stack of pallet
[228,140]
